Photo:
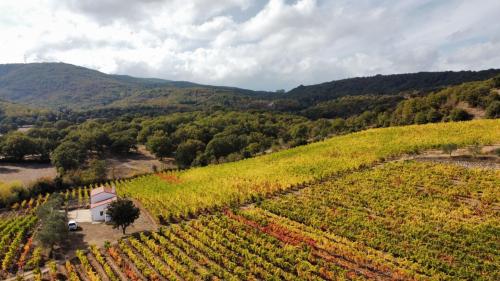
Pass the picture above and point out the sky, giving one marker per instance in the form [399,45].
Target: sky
[259,44]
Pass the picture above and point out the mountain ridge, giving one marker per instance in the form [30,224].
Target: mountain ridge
[56,85]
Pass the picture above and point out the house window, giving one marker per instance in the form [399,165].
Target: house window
[102,213]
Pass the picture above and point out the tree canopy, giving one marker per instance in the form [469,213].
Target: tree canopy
[123,213]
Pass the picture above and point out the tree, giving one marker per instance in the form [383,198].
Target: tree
[187,151]
[448,148]
[53,228]
[123,213]
[68,155]
[496,82]
[96,171]
[159,144]
[17,145]
[122,142]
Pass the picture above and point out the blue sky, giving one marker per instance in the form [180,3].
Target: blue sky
[254,44]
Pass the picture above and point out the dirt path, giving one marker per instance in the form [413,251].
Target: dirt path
[146,214]
[119,166]
[463,157]
[28,275]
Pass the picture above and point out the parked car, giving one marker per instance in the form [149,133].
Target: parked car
[72,225]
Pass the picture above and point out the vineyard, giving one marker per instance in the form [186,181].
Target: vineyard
[401,221]
[16,248]
[443,217]
[18,251]
[174,196]
[343,220]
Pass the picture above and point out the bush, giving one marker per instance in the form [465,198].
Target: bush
[11,192]
[448,148]
[459,114]
[420,118]
[493,110]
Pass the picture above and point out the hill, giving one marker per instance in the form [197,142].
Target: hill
[179,194]
[316,212]
[56,85]
[386,84]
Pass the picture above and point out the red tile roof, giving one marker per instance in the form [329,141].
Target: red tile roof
[101,189]
[100,203]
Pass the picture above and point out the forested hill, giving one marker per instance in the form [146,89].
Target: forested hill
[54,85]
[386,84]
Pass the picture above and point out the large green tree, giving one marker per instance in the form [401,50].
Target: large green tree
[187,151]
[160,144]
[17,145]
[53,223]
[68,155]
[123,213]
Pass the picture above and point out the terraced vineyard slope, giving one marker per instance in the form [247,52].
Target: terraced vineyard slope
[399,221]
[173,196]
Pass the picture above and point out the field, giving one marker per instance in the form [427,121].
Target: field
[174,196]
[399,221]
[317,212]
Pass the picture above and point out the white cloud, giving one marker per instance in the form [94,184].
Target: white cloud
[254,44]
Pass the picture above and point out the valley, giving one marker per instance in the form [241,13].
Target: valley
[238,140]
[362,179]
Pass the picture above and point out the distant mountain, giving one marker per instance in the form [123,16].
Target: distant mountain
[385,85]
[55,85]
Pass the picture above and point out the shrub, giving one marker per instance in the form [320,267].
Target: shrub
[459,114]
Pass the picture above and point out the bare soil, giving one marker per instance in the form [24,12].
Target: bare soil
[119,166]
[26,172]
[97,233]
[463,157]
[476,112]
[137,163]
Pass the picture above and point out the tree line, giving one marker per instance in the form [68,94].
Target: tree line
[78,145]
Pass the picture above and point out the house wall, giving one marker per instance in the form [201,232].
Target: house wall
[96,212]
[101,197]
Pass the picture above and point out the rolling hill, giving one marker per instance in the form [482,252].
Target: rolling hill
[55,85]
[386,84]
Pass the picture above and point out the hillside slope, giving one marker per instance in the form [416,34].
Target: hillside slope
[58,84]
[180,194]
[55,85]
[386,84]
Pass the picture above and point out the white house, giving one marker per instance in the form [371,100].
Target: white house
[100,198]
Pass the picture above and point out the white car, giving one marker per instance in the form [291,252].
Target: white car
[72,225]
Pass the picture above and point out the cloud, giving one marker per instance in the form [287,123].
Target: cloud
[255,44]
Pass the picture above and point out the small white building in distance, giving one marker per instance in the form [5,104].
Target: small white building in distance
[100,198]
